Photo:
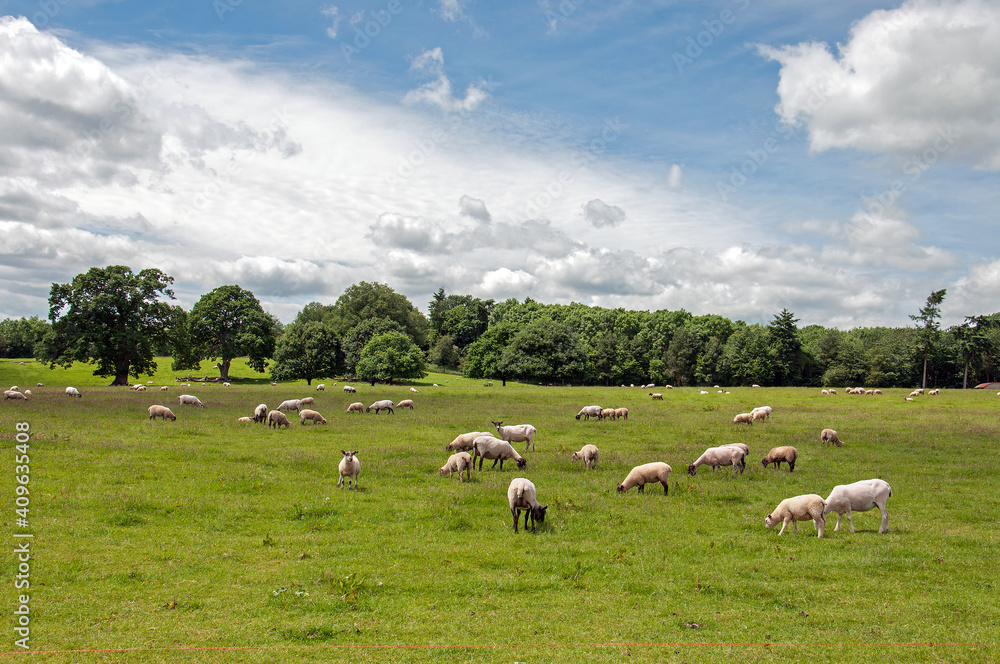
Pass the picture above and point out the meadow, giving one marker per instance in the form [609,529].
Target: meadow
[205,540]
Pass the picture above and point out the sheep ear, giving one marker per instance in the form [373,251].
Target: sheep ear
[343,452]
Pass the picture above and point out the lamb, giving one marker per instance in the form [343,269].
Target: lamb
[276,419]
[589,454]
[312,415]
[799,508]
[14,394]
[356,407]
[488,447]
[725,455]
[589,412]
[759,415]
[384,404]
[405,403]
[308,401]
[517,433]
[463,442]
[190,400]
[245,418]
[348,388]
[414,390]
[73,392]
[934,393]
[744,418]
[521,496]
[14,388]
[161,411]
[829,437]
[321,387]
[833,391]
[763,409]
[656,395]
[290,404]
[785,453]
[260,413]
[140,388]
[647,473]
[349,467]
[460,462]
[607,414]
[825,392]
[859,497]
[621,413]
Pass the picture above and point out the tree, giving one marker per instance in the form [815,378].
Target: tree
[973,342]
[306,351]
[359,336]
[786,348]
[229,322]
[546,351]
[482,358]
[444,353]
[111,316]
[18,337]
[746,358]
[185,355]
[928,327]
[681,357]
[390,356]
[365,301]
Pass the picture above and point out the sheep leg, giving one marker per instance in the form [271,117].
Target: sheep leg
[837,527]
[795,525]
[783,524]
[820,523]
[513,510]
[528,513]
[495,464]
[884,528]
[665,487]
[850,520]
[791,465]
[642,488]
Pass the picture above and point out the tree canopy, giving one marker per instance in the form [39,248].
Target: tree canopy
[306,351]
[229,322]
[389,357]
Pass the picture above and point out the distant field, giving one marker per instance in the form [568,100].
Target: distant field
[204,540]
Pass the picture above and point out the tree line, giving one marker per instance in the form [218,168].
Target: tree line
[121,321]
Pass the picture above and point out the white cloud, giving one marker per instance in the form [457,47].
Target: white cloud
[503,283]
[474,208]
[599,214]
[438,92]
[675,178]
[334,13]
[924,76]
[451,10]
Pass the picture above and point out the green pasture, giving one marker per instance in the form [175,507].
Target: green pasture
[206,540]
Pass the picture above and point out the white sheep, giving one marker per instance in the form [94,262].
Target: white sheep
[384,404]
[276,419]
[608,414]
[350,467]
[348,388]
[755,385]
[516,433]
[39,385]
[405,403]
[14,394]
[414,390]
[743,418]
[161,411]
[825,392]
[260,413]
[73,392]
[356,407]
[27,393]
[934,392]
[312,416]
[742,446]
[589,412]
[799,508]
[785,453]
[245,418]
[140,388]
[521,496]
[656,396]
[307,401]
[190,400]
[164,388]
[321,387]
[463,442]
[759,415]
[227,384]
[589,454]
[290,404]
[765,409]
[830,437]
[647,473]
[621,413]
[460,462]
[725,455]
[488,447]
[859,497]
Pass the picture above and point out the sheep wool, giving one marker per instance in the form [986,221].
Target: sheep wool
[799,508]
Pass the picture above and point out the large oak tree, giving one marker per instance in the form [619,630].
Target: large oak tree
[229,322]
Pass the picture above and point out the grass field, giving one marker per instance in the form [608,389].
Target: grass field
[203,540]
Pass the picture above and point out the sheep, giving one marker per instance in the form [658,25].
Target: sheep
[833,392]
[934,393]
[915,393]
[589,454]
[27,394]
[621,413]
[161,411]
[744,418]
[461,462]
[668,387]
[786,453]
[414,390]
[702,391]
[290,404]
[607,414]
[356,407]
[488,447]
[273,384]
[742,446]
[14,394]
[73,392]
[647,473]
[349,467]
[764,409]
[830,437]
[876,392]
[759,415]
[312,415]
[589,412]
[321,387]
[39,385]
[14,388]
[307,401]
[245,418]
[463,442]
[405,403]
[227,384]
[276,419]
[516,433]
[725,455]
[348,388]
[260,413]
[140,388]
[825,392]
[799,508]
[164,388]
[859,497]
[384,404]
[190,400]
[656,396]
[755,385]
[521,496]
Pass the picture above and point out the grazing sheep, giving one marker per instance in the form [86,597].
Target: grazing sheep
[39,385]
[14,394]
[405,403]
[290,404]
[907,398]
[916,393]
[73,392]
[763,409]
[668,387]
[350,467]
[755,385]
[384,404]
[227,385]
[312,416]
[488,447]
[307,401]
[799,508]
[140,388]
[830,437]
[348,388]
[260,413]
[589,454]
[164,388]
[742,446]
[833,391]
[785,453]
[702,391]
[459,462]
[27,393]
[414,390]
[356,407]
[161,411]
[516,433]
[589,412]
[463,442]
[607,414]
[825,392]
[321,387]
[521,496]
[876,392]
[759,415]
[245,418]
[276,419]
[647,473]
[656,396]
[859,497]
[190,400]
[725,455]
[934,392]
[273,384]
[744,418]
[621,413]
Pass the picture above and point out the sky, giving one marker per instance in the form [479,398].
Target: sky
[731,157]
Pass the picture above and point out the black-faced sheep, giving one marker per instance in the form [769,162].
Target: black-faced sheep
[785,453]
[161,411]
[488,447]
[588,412]
[350,467]
[521,496]
[647,473]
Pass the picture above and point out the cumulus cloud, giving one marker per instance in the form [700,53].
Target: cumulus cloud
[503,283]
[924,75]
[474,208]
[438,92]
[600,214]
[267,275]
[412,233]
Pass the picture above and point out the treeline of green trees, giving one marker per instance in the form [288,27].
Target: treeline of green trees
[121,321]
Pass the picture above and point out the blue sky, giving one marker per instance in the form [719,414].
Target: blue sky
[731,157]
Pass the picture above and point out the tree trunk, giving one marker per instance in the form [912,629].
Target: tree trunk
[965,381]
[121,372]
[224,368]
[925,373]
